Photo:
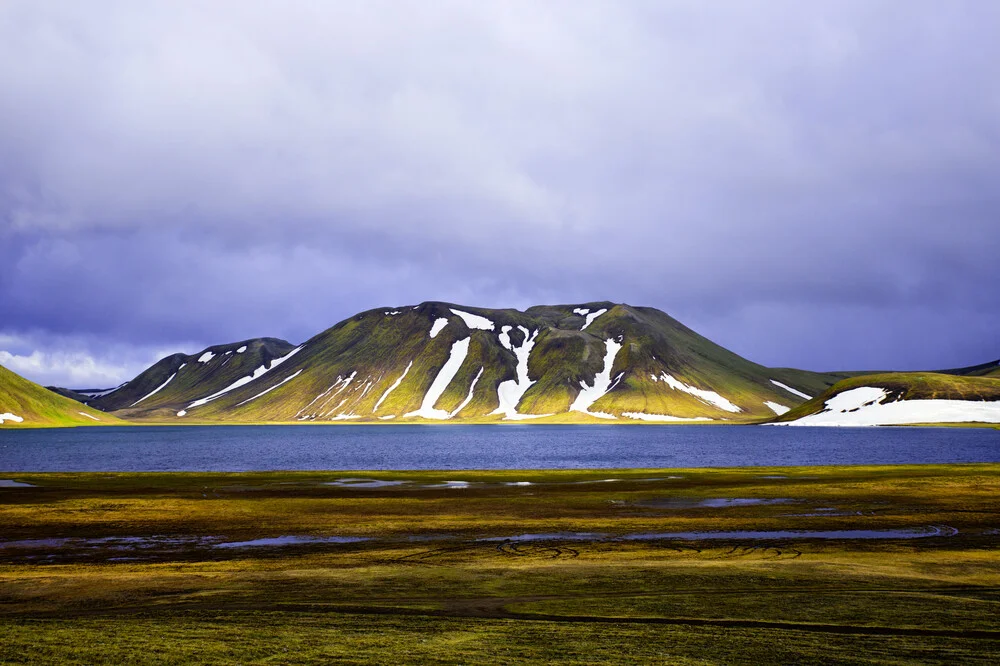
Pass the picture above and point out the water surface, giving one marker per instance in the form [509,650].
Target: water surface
[454,447]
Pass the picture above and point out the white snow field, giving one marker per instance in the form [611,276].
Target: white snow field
[474,321]
[241,349]
[242,381]
[154,391]
[641,416]
[710,397]
[865,406]
[88,416]
[459,350]
[266,391]
[206,357]
[7,416]
[590,317]
[777,408]
[602,383]
[790,389]
[392,388]
[511,391]
[437,326]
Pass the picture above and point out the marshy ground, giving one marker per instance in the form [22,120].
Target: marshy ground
[809,564]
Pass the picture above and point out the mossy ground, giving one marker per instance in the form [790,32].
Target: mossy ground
[456,599]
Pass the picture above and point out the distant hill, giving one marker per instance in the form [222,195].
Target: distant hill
[591,362]
[26,404]
[899,398]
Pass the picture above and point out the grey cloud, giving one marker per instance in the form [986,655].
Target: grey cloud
[783,176]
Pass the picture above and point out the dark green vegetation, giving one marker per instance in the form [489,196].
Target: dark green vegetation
[39,407]
[425,588]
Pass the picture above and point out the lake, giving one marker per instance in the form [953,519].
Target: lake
[346,447]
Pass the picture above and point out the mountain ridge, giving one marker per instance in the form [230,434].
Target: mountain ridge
[439,361]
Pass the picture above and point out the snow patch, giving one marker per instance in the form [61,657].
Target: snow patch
[88,416]
[591,317]
[511,391]
[386,417]
[474,321]
[241,349]
[7,416]
[866,406]
[459,350]
[266,391]
[345,417]
[391,313]
[641,416]
[437,326]
[183,412]
[776,408]
[392,388]
[154,391]
[206,357]
[581,311]
[790,389]
[242,381]
[710,397]
[602,383]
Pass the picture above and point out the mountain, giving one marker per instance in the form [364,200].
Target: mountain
[26,404]
[965,395]
[175,379]
[591,362]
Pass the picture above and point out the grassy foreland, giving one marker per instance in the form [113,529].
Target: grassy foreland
[38,407]
[425,586]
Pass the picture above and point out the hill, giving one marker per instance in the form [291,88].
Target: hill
[26,404]
[899,398]
[589,362]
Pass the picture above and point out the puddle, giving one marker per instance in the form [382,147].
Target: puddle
[449,484]
[288,541]
[552,536]
[8,483]
[114,543]
[364,483]
[931,531]
[711,503]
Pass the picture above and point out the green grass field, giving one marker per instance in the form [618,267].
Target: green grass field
[426,587]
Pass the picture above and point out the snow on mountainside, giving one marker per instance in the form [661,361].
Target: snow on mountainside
[589,362]
[444,362]
[902,398]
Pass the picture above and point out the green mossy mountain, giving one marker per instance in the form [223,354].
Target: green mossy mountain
[37,406]
[634,363]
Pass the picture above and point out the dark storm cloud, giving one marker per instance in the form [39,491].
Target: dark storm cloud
[810,184]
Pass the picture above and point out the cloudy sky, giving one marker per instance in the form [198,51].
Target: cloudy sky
[813,184]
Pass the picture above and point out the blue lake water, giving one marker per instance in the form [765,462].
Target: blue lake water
[452,447]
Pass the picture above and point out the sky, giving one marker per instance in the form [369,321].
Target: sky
[810,184]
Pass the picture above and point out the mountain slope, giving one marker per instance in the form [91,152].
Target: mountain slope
[899,398]
[171,380]
[438,361]
[28,405]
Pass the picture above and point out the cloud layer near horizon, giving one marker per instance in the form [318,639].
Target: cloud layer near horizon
[809,184]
